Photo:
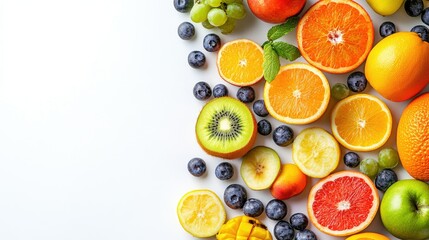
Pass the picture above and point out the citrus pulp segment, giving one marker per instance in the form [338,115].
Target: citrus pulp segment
[239,62]
[335,35]
[226,128]
[298,95]
[361,122]
[315,152]
[201,213]
[342,204]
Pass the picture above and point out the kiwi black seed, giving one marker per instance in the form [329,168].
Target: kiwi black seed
[226,128]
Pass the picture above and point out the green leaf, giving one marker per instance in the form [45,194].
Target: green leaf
[266,42]
[280,30]
[271,63]
[286,50]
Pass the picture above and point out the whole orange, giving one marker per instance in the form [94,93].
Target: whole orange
[398,66]
[275,11]
[290,182]
[413,138]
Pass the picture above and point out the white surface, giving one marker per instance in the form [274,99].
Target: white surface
[97,118]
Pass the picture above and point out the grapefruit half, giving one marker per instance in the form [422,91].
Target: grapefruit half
[343,203]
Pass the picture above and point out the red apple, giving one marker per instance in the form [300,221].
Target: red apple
[275,11]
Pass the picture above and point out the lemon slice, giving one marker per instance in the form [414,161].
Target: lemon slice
[201,213]
[316,152]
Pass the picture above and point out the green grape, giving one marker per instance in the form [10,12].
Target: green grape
[217,17]
[236,11]
[388,158]
[340,91]
[369,167]
[214,3]
[232,1]
[207,25]
[199,12]
[228,27]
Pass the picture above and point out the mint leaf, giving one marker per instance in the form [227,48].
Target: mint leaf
[286,50]
[271,63]
[280,30]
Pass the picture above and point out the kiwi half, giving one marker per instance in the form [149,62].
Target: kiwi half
[226,128]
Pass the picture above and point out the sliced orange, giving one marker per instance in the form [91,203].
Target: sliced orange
[335,36]
[239,62]
[342,204]
[298,95]
[361,122]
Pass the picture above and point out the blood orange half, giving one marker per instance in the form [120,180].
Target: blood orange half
[343,203]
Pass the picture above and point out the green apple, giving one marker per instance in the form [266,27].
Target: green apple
[404,209]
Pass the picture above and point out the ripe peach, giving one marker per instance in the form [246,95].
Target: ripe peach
[290,182]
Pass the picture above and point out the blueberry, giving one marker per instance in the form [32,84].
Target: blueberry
[186,30]
[197,167]
[196,59]
[211,42]
[387,28]
[425,16]
[422,31]
[385,178]
[235,196]
[351,159]
[298,221]
[202,91]
[283,231]
[183,5]
[305,234]
[253,207]
[264,127]
[224,171]
[246,94]
[220,90]
[356,81]
[283,135]
[259,108]
[413,7]
[276,209]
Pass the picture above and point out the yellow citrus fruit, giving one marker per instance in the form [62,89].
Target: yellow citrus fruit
[239,62]
[367,236]
[344,203]
[298,95]
[398,66]
[315,152]
[413,138]
[201,213]
[361,122]
[335,35]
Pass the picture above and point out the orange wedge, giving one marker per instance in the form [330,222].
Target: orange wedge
[335,36]
[239,62]
[361,122]
[298,95]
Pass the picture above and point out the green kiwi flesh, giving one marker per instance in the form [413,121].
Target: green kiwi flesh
[226,128]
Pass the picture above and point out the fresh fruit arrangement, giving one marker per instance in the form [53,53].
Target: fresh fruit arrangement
[327,125]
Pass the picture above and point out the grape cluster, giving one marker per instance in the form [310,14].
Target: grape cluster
[218,13]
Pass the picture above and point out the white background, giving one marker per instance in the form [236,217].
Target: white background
[97,118]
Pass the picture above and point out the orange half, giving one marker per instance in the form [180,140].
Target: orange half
[239,62]
[361,122]
[298,95]
[335,36]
